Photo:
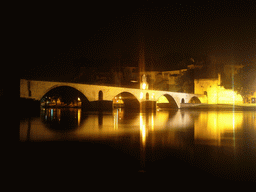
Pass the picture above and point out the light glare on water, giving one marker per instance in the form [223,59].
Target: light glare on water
[201,138]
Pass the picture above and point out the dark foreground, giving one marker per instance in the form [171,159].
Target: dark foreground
[66,159]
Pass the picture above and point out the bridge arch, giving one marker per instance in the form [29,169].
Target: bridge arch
[66,94]
[49,88]
[147,96]
[168,102]
[126,99]
[194,99]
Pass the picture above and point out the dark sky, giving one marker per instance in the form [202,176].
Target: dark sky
[59,38]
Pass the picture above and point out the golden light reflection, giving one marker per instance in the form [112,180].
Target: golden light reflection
[142,130]
[152,122]
[79,116]
[161,118]
[147,124]
[116,119]
[58,114]
[143,135]
[251,119]
[118,116]
[217,128]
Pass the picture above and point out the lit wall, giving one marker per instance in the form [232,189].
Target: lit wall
[216,94]
[229,96]
[251,96]
[162,99]
[203,99]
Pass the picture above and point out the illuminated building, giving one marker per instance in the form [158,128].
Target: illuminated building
[252,97]
[118,102]
[216,94]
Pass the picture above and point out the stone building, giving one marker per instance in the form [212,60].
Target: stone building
[216,94]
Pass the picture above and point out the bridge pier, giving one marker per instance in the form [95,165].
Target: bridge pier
[167,105]
[148,105]
[101,105]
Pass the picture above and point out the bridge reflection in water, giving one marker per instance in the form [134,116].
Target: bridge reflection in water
[150,136]
[209,127]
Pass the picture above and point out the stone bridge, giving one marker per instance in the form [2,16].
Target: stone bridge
[34,89]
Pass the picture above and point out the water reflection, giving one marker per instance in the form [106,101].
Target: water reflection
[220,139]
[218,128]
[62,119]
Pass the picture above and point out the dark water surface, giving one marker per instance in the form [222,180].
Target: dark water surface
[184,143]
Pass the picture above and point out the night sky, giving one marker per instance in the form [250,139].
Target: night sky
[60,38]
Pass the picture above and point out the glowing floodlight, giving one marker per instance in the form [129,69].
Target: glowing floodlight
[141,95]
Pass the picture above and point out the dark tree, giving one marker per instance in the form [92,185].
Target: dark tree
[245,81]
[185,82]
[160,83]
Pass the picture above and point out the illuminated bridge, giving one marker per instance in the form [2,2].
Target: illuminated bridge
[95,94]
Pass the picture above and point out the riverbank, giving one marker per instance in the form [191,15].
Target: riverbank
[60,106]
[219,106]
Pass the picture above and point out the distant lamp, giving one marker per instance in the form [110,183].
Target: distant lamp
[141,95]
[78,98]
[144,84]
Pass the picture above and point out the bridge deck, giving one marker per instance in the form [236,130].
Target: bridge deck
[34,89]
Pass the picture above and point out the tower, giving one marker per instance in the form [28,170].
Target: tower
[143,79]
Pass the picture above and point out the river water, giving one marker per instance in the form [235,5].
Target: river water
[221,144]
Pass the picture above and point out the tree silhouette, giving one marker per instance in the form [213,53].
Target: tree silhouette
[245,81]
[185,82]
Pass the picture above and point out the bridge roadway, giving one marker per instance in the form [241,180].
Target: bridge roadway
[34,89]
